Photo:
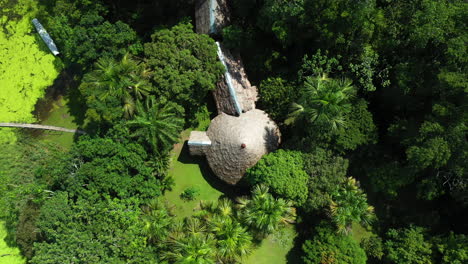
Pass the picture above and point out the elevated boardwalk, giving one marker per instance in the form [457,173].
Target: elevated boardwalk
[43,127]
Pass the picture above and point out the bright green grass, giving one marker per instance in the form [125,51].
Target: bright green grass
[8,255]
[275,249]
[188,172]
[60,116]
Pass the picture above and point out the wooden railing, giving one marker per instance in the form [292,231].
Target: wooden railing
[36,126]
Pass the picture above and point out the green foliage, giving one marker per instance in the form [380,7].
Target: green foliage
[93,231]
[21,190]
[113,87]
[10,255]
[103,167]
[452,249]
[373,247]
[319,64]
[327,173]
[83,35]
[359,129]
[27,67]
[184,65]
[263,213]
[283,171]
[349,204]
[276,95]
[190,193]
[232,36]
[158,124]
[328,247]
[408,246]
[323,104]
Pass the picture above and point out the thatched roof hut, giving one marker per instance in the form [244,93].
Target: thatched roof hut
[211,16]
[237,143]
[234,93]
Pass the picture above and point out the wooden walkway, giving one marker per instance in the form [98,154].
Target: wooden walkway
[36,126]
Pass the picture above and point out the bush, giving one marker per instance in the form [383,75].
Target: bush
[329,247]
[283,171]
[190,193]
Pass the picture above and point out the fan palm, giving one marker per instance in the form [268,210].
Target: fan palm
[158,125]
[348,205]
[264,213]
[125,80]
[324,102]
[233,240]
[157,221]
[192,249]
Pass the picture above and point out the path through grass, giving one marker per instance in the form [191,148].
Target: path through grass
[8,255]
[59,115]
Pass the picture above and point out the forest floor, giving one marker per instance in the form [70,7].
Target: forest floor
[8,255]
[189,171]
[59,115]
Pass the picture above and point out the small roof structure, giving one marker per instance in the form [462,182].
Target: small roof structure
[237,143]
[45,37]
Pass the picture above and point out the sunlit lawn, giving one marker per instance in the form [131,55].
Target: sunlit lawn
[188,172]
[8,255]
[275,249]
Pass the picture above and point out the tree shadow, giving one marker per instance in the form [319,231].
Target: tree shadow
[229,191]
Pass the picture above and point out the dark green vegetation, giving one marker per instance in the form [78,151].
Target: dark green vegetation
[371,98]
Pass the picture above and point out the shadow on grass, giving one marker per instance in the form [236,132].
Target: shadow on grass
[228,190]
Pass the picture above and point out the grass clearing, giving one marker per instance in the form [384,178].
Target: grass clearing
[59,115]
[188,172]
[275,249]
[8,255]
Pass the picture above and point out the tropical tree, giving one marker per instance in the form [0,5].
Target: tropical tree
[328,247]
[263,213]
[323,103]
[189,242]
[233,240]
[157,221]
[349,204]
[113,85]
[157,123]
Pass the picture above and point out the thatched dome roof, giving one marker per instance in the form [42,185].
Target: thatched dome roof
[237,143]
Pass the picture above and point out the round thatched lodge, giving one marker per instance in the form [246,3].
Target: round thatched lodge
[232,144]
[241,134]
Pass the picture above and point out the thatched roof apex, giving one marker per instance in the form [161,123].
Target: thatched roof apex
[237,143]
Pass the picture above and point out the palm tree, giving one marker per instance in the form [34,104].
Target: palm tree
[263,213]
[324,102]
[349,204]
[126,80]
[157,124]
[192,249]
[233,240]
[189,242]
[157,221]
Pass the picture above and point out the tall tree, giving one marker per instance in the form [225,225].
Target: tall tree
[323,103]
[348,205]
[263,213]
[158,124]
[113,87]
